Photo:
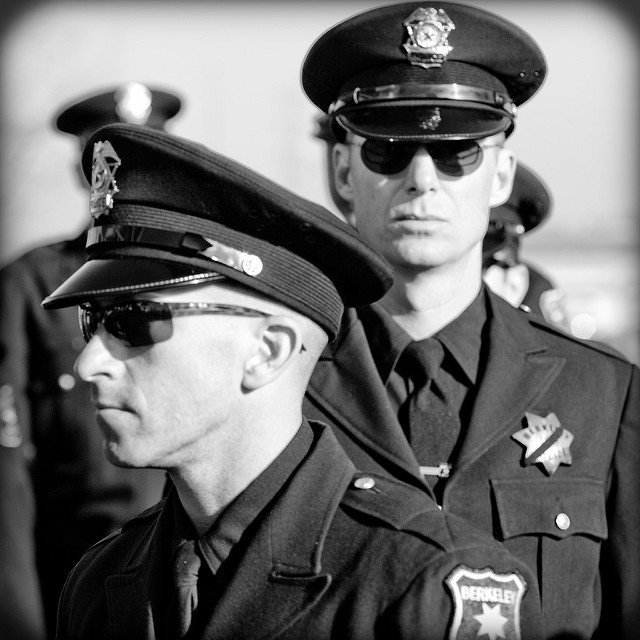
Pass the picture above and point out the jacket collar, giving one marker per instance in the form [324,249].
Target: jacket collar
[280,576]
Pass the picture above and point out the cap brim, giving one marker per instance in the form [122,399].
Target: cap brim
[423,120]
[110,277]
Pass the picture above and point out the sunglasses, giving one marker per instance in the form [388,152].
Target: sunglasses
[140,323]
[451,157]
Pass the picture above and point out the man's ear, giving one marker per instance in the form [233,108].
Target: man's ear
[503,177]
[341,161]
[277,345]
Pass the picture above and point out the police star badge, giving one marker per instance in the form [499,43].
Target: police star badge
[103,183]
[485,603]
[428,30]
[546,442]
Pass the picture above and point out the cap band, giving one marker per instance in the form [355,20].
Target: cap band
[452,91]
[190,242]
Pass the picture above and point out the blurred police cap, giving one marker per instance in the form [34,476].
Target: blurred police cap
[526,208]
[131,102]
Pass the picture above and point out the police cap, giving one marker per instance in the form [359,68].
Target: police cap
[168,212]
[131,102]
[422,71]
[527,207]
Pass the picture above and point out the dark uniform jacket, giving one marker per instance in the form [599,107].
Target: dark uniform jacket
[327,560]
[79,496]
[578,528]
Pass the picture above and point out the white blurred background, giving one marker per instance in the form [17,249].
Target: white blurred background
[236,65]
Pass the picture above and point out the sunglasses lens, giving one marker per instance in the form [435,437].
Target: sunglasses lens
[137,324]
[453,157]
[385,157]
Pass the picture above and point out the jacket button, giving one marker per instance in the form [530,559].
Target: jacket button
[364,483]
[563,522]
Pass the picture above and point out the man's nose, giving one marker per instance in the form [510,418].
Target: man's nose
[421,174]
[95,359]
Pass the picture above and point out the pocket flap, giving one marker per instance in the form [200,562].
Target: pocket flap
[557,508]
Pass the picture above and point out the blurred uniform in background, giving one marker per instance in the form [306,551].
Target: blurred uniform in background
[518,282]
[58,493]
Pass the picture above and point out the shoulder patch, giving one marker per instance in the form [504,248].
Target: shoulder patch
[485,603]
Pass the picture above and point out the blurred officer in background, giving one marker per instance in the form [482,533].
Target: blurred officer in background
[517,281]
[503,418]
[79,496]
[208,295]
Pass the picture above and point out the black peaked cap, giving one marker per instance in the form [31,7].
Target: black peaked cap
[168,211]
[423,71]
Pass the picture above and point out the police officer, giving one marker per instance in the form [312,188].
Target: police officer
[208,294]
[517,281]
[47,416]
[507,421]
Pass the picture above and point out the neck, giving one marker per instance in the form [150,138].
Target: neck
[206,484]
[424,302]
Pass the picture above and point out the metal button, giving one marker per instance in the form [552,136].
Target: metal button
[563,522]
[364,483]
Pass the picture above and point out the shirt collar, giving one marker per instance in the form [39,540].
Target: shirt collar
[462,337]
[226,531]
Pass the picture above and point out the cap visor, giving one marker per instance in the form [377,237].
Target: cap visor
[112,277]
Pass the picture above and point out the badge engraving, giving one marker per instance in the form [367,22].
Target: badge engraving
[428,29]
[431,120]
[103,183]
[485,603]
[546,442]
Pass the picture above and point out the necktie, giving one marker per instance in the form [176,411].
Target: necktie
[185,575]
[430,414]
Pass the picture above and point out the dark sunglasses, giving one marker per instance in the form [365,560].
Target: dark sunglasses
[451,157]
[141,323]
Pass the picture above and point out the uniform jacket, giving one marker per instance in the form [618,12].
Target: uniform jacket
[328,560]
[79,496]
[578,528]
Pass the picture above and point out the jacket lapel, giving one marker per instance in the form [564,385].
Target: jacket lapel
[519,371]
[347,385]
[132,595]
[280,577]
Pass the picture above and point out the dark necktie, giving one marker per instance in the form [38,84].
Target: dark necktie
[185,575]
[430,414]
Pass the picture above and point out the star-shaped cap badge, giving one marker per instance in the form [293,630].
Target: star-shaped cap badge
[546,442]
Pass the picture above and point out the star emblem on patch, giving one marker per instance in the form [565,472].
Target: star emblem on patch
[546,442]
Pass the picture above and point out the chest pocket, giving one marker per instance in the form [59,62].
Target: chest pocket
[555,508]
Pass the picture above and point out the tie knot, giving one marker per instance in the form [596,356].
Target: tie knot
[187,564]
[423,358]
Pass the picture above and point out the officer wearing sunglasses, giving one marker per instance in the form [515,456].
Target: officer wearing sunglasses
[207,297]
[529,433]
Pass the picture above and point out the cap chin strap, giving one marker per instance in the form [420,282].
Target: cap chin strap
[191,243]
[453,91]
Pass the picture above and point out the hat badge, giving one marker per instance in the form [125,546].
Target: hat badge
[428,29]
[103,183]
